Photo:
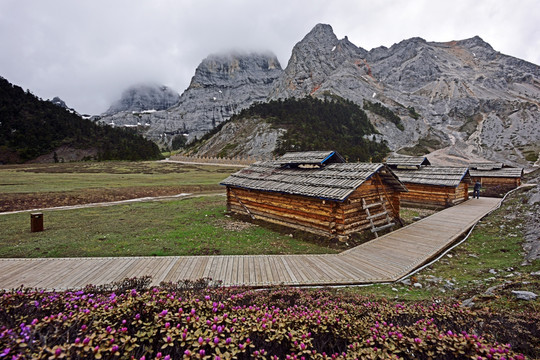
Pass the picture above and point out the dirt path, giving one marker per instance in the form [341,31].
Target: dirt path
[119,202]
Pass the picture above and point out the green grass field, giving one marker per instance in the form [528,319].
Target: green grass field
[65,177]
[194,226]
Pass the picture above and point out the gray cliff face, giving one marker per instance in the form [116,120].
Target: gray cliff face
[472,101]
[222,86]
[314,61]
[144,97]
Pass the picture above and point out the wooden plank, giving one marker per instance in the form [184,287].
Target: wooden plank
[374,216]
[381,228]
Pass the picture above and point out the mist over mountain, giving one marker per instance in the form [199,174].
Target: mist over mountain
[223,84]
[143,97]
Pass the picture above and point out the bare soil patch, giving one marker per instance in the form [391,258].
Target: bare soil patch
[27,201]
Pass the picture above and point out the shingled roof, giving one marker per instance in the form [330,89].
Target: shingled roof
[434,175]
[508,172]
[486,166]
[407,161]
[330,182]
[310,158]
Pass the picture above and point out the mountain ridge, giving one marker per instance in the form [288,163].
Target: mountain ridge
[457,100]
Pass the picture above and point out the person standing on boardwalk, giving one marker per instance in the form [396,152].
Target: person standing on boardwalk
[476,191]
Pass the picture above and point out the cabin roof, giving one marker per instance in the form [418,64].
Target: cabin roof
[403,160]
[486,165]
[434,175]
[508,172]
[331,182]
[310,158]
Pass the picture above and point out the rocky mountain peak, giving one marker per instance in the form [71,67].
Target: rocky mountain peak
[475,41]
[312,61]
[141,97]
[322,33]
[223,84]
[221,69]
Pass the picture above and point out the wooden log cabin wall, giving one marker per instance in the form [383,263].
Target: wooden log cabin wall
[496,175]
[433,196]
[430,186]
[318,193]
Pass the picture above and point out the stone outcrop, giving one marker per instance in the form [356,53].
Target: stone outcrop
[247,137]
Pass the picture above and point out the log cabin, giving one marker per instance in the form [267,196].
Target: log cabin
[430,186]
[492,174]
[317,192]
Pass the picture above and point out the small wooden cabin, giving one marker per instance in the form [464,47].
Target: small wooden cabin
[492,174]
[430,186]
[317,192]
[407,162]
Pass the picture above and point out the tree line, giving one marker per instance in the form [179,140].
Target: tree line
[31,127]
[313,124]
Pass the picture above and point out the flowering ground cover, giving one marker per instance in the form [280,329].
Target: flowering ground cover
[175,321]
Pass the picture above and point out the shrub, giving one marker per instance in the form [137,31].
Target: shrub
[219,323]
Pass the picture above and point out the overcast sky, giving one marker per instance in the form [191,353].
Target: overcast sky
[88,51]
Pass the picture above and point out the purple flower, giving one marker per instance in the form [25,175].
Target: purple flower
[417,340]
[114,348]
[58,351]
[163,313]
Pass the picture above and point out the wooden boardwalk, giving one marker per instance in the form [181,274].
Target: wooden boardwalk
[385,259]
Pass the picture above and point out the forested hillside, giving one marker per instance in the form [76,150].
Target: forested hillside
[30,127]
[306,124]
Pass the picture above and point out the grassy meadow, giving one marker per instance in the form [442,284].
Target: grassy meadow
[82,176]
[193,226]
